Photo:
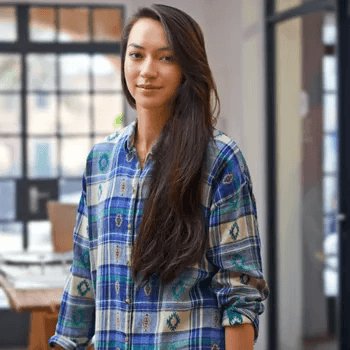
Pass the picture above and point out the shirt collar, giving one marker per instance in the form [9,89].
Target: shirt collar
[129,142]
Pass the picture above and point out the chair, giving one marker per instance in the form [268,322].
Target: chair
[62,217]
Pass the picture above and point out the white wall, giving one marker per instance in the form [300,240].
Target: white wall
[234,34]
[289,183]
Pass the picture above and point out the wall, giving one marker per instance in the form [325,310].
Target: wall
[234,33]
[289,151]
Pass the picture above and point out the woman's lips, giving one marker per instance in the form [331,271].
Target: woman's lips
[148,87]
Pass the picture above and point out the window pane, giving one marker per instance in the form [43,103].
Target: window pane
[74,154]
[42,24]
[4,301]
[106,109]
[329,30]
[10,72]
[330,193]
[74,25]
[74,71]
[39,236]
[330,112]
[330,224]
[41,72]
[107,24]
[329,73]
[7,200]
[11,237]
[8,24]
[330,153]
[74,114]
[106,72]
[11,157]
[42,110]
[42,157]
[10,112]
[70,191]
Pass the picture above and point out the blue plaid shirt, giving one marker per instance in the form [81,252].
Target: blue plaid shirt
[100,297]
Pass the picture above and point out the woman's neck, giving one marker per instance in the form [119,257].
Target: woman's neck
[148,128]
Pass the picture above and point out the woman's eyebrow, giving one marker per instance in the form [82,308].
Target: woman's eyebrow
[165,48]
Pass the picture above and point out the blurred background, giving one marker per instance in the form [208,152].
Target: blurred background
[276,67]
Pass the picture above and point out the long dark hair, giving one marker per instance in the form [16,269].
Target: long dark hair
[172,234]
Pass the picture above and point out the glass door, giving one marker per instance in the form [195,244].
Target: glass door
[307,180]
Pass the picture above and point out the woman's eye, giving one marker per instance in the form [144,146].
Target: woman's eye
[135,55]
[168,58]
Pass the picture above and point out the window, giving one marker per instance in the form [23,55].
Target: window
[60,91]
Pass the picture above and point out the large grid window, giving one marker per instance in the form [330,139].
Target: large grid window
[60,93]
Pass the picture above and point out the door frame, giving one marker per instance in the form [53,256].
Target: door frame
[344,168]
[342,9]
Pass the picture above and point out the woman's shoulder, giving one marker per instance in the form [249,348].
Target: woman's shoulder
[223,148]
[100,158]
[122,132]
[227,169]
[114,139]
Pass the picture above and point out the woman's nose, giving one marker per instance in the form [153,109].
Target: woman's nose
[148,68]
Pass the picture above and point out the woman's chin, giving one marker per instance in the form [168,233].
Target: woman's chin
[152,105]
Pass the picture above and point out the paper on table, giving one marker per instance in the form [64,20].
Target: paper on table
[35,258]
[36,277]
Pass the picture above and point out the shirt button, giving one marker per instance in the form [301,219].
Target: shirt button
[128,263]
[126,339]
[129,227]
[127,301]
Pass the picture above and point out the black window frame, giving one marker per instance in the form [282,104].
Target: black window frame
[23,46]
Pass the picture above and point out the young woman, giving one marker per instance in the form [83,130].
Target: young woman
[166,244]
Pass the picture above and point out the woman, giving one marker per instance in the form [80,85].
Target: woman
[166,245]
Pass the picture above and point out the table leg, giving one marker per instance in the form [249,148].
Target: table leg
[42,328]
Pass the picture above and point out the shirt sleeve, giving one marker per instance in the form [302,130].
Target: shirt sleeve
[76,322]
[235,246]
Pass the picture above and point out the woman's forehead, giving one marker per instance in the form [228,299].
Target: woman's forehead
[148,32]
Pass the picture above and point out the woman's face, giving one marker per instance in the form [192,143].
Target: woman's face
[152,76]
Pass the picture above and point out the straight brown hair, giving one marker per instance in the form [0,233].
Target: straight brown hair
[172,234]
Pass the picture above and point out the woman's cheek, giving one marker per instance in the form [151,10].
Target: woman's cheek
[129,80]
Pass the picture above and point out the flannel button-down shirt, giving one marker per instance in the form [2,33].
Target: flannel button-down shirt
[225,288]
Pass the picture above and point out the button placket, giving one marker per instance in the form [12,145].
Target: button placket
[134,188]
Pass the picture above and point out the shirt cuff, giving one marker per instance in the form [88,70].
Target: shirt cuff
[232,318]
[64,342]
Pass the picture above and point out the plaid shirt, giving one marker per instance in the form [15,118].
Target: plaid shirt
[100,297]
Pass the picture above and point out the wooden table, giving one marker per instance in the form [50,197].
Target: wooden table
[43,305]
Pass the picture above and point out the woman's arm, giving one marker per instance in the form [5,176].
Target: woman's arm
[239,337]
[235,248]
[76,319]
